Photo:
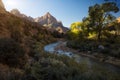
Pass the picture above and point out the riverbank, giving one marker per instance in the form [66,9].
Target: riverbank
[97,56]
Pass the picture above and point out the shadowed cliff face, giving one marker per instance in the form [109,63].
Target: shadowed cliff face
[1,6]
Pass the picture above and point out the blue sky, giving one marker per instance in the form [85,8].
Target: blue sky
[67,11]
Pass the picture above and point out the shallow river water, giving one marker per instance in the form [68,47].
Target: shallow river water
[90,62]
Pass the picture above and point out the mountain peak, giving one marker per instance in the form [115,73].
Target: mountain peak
[51,22]
[48,13]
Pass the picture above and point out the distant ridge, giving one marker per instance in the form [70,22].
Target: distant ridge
[49,21]
[16,12]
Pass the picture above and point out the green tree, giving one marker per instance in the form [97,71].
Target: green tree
[86,25]
[100,15]
[75,29]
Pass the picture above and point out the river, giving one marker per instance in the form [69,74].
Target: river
[90,62]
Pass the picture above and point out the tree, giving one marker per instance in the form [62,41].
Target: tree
[100,15]
[76,31]
[86,25]
[75,27]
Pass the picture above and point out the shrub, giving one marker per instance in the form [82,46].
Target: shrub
[11,53]
[7,73]
[53,69]
[17,36]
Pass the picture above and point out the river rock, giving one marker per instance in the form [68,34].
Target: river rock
[101,47]
[89,52]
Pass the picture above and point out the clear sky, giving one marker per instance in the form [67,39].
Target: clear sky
[67,11]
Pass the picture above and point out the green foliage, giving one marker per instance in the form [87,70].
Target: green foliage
[72,36]
[99,28]
[86,26]
[100,15]
[77,31]
[56,34]
[86,45]
[76,27]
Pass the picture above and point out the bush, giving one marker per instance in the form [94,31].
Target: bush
[17,36]
[53,69]
[83,45]
[11,53]
[7,73]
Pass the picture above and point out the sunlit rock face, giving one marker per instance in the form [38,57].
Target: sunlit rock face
[1,5]
[46,19]
[51,22]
